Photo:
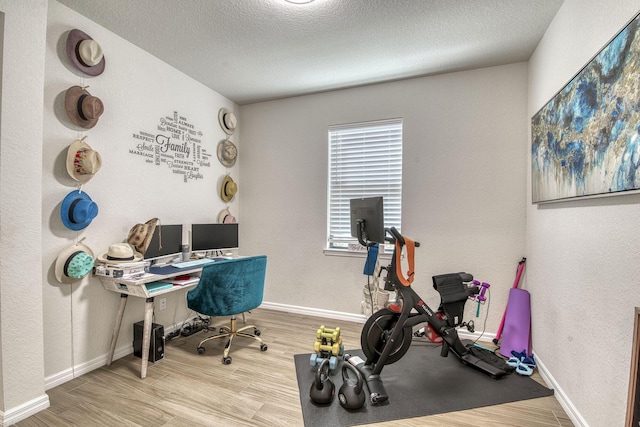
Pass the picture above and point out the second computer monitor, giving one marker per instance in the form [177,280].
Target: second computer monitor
[213,237]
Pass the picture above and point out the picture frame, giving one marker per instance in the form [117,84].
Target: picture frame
[585,142]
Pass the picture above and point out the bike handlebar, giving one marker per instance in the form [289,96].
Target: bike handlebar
[397,236]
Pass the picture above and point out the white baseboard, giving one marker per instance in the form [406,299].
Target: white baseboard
[25,410]
[83,368]
[560,395]
[328,314]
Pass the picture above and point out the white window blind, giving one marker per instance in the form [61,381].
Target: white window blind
[365,160]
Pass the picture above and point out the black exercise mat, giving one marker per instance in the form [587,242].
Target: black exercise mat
[421,383]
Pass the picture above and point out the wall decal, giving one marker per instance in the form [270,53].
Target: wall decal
[175,144]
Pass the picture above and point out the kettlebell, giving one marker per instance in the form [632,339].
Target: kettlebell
[351,395]
[322,389]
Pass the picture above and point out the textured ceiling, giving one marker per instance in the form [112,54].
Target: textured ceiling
[257,50]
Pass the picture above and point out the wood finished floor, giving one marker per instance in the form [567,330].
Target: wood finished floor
[257,389]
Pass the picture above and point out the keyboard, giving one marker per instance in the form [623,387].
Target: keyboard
[192,263]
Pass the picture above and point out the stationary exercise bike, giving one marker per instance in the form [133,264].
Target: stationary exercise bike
[387,334]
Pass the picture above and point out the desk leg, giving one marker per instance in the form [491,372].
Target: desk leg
[116,328]
[146,336]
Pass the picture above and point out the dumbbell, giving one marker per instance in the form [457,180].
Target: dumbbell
[332,334]
[333,348]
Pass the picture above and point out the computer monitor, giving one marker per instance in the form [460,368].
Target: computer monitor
[367,220]
[213,237]
[170,236]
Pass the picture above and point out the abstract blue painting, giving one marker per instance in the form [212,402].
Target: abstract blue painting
[586,140]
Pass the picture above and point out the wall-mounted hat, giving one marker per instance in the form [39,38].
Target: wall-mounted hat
[228,188]
[82,108]
[228,121]
[225,217]
[78,210]
[140,235]
[227,153]
[82,161]
[120,253]
[73,263]
[85,53]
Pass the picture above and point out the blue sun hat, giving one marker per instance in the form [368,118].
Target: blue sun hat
[78,210]
[73,263]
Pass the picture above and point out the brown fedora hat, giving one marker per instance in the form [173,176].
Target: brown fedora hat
[82,108]
[85,53]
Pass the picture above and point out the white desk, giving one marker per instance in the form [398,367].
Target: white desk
[136,288]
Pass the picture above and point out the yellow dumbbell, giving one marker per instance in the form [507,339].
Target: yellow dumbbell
[333,348]
[332,334]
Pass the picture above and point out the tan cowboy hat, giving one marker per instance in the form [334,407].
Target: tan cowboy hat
[82,161]
[228,121]
[228,189]
[120,253]
[83,109]
[225,217]
[85,53]
[140,235]
[73,263]
[227,153]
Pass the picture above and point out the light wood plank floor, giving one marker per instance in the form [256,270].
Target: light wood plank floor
[257,389]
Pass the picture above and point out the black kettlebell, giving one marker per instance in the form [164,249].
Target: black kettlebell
[322,389]
[351,395]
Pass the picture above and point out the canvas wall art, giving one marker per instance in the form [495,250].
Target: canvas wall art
[586,140]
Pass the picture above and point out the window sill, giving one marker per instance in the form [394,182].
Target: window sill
[353,254]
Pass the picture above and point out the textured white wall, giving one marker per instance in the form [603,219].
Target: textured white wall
[137,90]
[463,199]
[21,352]
[582,269]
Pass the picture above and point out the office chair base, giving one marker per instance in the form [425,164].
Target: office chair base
[230,333]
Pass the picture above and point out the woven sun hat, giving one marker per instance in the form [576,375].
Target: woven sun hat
[227,153]
[228,189]
[225,217]
[140,235]
[228,121]
[73,263]
[85,53]
[78,210]
[120,253]
[82,161]
[83,109]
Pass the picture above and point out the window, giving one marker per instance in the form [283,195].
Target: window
[365,160]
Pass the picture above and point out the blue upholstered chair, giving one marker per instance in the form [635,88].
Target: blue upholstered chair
[228,288]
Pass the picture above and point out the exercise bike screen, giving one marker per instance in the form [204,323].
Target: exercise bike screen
[370,213]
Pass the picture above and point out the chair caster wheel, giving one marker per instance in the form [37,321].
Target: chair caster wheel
[256,332]
[263,347]
[226,360]
[200,350]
